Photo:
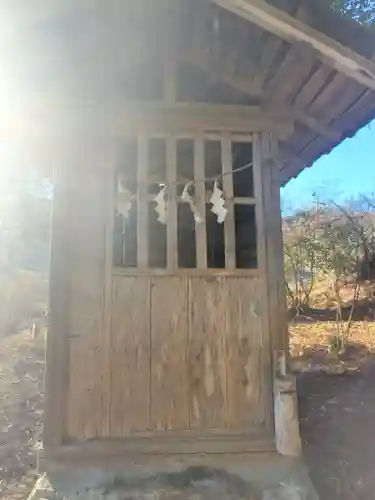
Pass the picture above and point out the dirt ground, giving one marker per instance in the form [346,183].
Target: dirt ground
[337,425]
[21,402]
[337,411]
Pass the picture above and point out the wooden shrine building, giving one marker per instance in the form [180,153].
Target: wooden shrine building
[166,325]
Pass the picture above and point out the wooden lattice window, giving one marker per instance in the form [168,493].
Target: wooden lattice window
[149,164]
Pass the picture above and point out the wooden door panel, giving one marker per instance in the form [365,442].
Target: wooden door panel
[169,343]
[207,354]
[245,350]
[130,356]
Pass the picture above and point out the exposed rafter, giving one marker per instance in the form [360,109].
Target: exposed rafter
[314,124]
[280,23]
[251,87]
[289,164]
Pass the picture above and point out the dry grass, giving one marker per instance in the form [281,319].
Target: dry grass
[309,344]
[309,335]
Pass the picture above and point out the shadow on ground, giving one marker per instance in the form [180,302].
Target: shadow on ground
[364,310]
[337,416]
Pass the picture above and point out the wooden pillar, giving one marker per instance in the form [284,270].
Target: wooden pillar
[57,369]
[78,290]
[274,255]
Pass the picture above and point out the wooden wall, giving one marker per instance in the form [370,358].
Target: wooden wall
[133,355]
[86,371]
[186,354]
[75,388]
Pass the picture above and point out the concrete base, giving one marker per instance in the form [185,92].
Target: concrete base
[288,440]
[263,477]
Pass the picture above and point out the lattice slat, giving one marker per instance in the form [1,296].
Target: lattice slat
[200,191]
[230,236]
[172,244]
[142,203]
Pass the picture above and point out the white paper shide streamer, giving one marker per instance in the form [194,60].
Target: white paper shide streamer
[218,203]
[161,207]
[123,199]
[186,196]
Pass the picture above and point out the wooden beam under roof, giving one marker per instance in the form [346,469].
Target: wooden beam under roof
[280,23]
[289,164]
[251,87]
[314,124]
[156,117]
[201,61]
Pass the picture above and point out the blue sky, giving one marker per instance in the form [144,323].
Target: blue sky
[345,173]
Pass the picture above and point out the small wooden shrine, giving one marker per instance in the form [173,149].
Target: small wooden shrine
[167,307]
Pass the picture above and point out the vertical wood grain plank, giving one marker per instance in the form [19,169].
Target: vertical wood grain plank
[272,236]
[280,253]
[107,301]
[276,272]
[230,238]
[262,222]
[57,355]
[172,244]
[78,401]
[246,394]
[130,366]
[123,236]
[169,343]
[86,304]
[142,203]
[200,190]
[207,354]
[259,214]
